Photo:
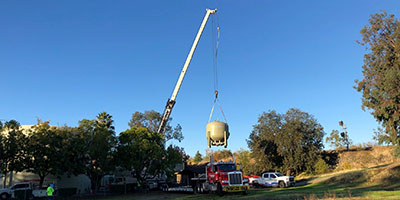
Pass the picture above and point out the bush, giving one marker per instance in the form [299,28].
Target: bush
[321,167]
[396,152]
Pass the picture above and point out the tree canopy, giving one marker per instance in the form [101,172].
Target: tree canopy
[12,142]
[151,120]
[380,86]
[337,140]
[198,157]
[288,142]
[143,151]
[99,139]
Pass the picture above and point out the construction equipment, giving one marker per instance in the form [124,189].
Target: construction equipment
[171,101]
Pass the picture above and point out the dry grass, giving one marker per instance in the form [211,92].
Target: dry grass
[376,155]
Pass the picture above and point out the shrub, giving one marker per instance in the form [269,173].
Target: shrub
[321,167]
[396,152]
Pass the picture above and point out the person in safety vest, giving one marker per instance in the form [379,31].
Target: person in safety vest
[50,191]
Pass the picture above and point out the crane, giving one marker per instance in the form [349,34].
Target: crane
[171,101]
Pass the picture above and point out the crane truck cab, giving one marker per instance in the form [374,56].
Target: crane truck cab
[221,177]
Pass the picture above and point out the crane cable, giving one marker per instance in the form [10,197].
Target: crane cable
[215,44]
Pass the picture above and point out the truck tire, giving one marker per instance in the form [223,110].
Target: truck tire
[4,196]
[255,184]
[198,189]
[219,190]
[282,184]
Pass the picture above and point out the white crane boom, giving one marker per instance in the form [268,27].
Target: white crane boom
[171,101]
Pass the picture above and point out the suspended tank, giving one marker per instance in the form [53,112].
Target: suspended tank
[217,134]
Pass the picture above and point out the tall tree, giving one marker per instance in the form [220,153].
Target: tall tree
[100,142]
[337,140]
[151,120]
[12,142]
[141,151]
[380,86]
[288,142]
[198,157]
[262,144]
[43,149]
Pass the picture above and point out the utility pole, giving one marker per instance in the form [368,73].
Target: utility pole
[344,134]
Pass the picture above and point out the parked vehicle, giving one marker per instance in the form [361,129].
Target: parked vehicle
[272,179]
[11,192]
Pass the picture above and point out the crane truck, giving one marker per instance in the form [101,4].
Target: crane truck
[218,177]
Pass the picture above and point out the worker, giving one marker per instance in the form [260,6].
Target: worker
[50,191]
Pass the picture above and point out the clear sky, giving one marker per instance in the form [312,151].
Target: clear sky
[64,61]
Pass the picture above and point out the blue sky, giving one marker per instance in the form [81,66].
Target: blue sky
[68,60]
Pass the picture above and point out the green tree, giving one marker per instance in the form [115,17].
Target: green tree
[141,151]
[43,150]
[198,157]
[244,157]
[12,154]
[54,150]
[380,86]
[262,144]
[336,140]
[287,142]
[174,155]
[100,142]
[71,152]
[151,120]
[381,136]
[321,167]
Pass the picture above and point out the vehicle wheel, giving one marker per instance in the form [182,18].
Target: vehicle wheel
[201,189]
[255,184]
[219,190]
[4,196]
[197,189]
[165,188]
[282,184]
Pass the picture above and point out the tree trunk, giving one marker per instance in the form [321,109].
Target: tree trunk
[41,180]
[5,180]
[288,172]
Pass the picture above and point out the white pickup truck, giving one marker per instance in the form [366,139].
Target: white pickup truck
[272,179]
[8,193]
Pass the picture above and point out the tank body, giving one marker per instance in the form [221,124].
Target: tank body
[217,133]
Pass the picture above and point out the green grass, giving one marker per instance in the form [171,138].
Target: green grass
[312,191]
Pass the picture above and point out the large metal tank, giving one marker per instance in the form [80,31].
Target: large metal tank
[217,133]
